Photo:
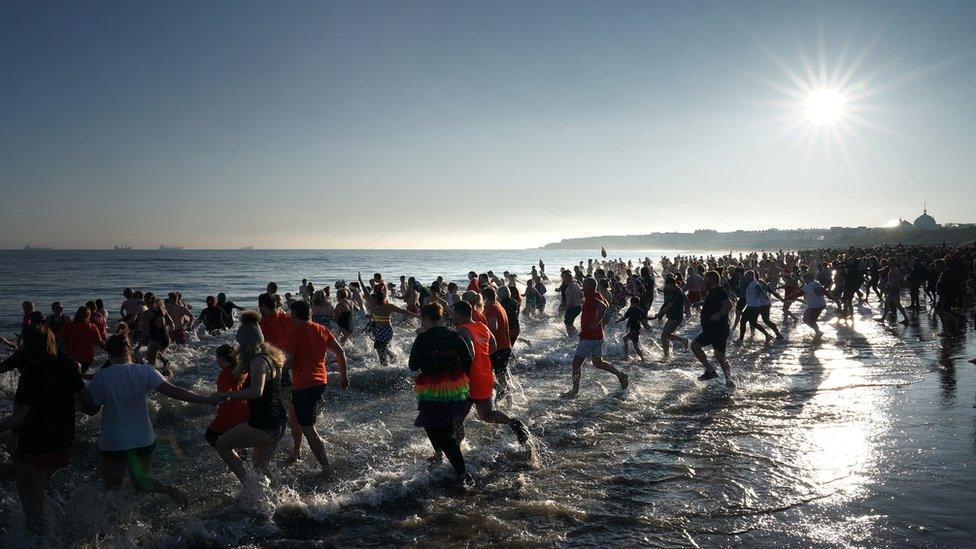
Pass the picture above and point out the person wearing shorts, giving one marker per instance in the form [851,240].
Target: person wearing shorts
[481,344]
[635,316]
[673,309]
[573,298]
[715,329]
[276,327]
[590,344]
[308,344]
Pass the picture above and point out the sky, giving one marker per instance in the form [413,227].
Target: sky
[404,124]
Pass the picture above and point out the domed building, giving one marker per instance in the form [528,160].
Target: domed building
[925,221]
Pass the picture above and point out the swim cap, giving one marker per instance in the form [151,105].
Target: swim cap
[249,334]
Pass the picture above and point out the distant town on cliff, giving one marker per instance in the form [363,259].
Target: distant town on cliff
[925,230]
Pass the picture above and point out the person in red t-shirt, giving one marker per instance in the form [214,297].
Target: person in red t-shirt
[308,344]
[80,337]
[497,320]
[234,411]
[482,343]
[591,338]
[276,325]
[472,281]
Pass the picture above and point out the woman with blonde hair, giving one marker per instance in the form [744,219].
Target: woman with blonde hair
[477,303]
[262,363]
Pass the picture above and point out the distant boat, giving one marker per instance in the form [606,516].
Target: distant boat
[29,247]
[122,248]
[165,247]
[247,248]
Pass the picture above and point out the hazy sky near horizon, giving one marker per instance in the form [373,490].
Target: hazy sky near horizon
[404,124]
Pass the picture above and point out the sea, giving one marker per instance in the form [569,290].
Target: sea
[866,438]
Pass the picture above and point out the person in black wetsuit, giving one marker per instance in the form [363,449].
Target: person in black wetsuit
[213,317]
[262,362]
[443,360]
[229,307]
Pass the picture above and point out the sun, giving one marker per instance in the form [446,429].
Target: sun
[825,107]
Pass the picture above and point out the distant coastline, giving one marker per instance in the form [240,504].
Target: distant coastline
[774,239]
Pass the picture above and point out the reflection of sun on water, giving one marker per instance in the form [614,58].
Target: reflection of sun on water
[839,449]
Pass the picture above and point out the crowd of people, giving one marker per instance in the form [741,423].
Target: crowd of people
[274,379]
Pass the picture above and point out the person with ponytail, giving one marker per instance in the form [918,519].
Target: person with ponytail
[261,364]
[43,417]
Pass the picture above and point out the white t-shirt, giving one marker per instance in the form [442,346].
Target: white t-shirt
[122,392]
[574,295]
[813,299]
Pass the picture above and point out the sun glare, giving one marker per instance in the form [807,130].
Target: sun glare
[824,107]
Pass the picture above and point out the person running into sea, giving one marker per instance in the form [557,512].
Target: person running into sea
[343,314]
[276,327]
[98,317]
[57,319]
[693,289]
[534,302]
[229,307]
[590,344]
[158,324]
[673,309]
[43,418]
[497,320]
[232,412]
[634,317]
[815,297]
[715,329]
[442,359]
[79,339]
[182,318]
[323,311]
[892,286]
[481,344]
[512,308]
[766,305]
[120,391]
[307,346]
[213,317]
[573,301]
[754,302]
[382,310]
[790,286]
[258,369]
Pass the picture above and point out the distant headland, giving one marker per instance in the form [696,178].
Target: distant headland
[925,230]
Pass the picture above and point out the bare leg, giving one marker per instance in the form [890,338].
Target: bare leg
[243,436]
[318,448]
[701,356]
[32,484]
[139,468]
[607,367]
[296,431]
[577,374]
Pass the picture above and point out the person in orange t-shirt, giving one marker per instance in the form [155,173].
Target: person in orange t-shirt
[497,321]
[307,347]
[234,411]
[276,325]
[481,343]
[80,337]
